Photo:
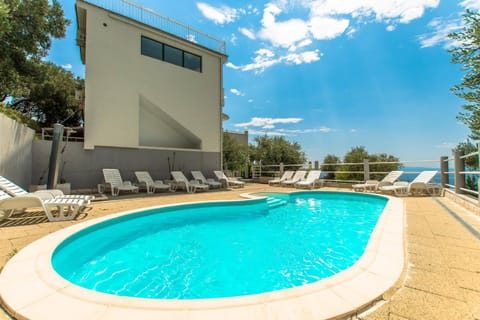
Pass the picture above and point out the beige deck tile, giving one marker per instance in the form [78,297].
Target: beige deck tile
[425,241]
[428,263]
[420,249]
[469,243]
[437,283]
[396,317]
[419,305]
[379,312]
[463,259]
[467,279]
[473,300]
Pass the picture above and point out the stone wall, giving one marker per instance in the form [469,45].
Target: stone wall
[83,168]
[16,151]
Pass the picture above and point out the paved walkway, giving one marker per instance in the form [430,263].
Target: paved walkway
[442,279]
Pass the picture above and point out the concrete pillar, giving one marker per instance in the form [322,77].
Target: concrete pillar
[444,170]
[459,166]
[366,170]
[54,164]
[281,169]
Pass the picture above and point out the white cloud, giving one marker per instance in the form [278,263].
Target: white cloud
[237,92]
[446,145]
[281,34]
[382,10]
[315,130]
[471,4]
[390,28]
[67,66]
[266,58]
[262,122]
[439,35]
[323,28]
[221,15]
[268,133]
[324,20]
[250,100]
[233,39]
[286,132]
[247,33]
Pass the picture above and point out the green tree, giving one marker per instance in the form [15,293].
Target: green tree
[235,155]
[274,150]
[330,158]
[357,155]
[467,53]
[51,96]
[26,30]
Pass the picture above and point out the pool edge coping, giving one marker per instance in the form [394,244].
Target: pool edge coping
[382,267]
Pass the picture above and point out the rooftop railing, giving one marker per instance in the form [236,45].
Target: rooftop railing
[152,18]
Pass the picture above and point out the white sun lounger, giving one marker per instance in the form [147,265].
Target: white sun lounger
[190,186]
[113,179]
[419,185]
[299,175]
[145,178]
[229,182]
[15,190]
[198,175]
[310,181]
[374,185]
[286,176]
[66,209]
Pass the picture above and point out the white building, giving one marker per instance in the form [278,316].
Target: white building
[153,93]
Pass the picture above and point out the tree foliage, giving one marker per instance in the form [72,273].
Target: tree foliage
[235,155]
[27,28]
[330,158]
[467,53]
[51,97]
[276,150]
[357,155]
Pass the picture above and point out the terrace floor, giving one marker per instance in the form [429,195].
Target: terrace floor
[442,277]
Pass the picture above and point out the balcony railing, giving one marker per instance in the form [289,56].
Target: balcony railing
[154,19]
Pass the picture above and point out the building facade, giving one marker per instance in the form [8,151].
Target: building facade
[147,88]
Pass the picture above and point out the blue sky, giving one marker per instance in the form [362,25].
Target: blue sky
[330,74]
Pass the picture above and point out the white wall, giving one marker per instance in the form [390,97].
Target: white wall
[16,151]
[117,76]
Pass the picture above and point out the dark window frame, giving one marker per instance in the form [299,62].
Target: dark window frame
[183,53]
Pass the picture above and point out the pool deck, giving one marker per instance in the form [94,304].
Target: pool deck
[442,277]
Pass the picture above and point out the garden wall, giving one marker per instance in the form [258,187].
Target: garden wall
[16,151]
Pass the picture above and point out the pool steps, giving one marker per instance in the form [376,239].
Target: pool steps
[275,202]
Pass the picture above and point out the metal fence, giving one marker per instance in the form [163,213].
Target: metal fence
[152,18]
[453,180]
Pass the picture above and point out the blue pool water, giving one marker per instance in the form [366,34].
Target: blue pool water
[222,249]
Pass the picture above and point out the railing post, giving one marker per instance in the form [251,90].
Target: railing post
[444,170]
[366,170]
[459,166]
[281,169]
[478,180]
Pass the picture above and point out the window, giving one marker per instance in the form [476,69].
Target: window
[173,55]
[164,52]
[152,48]
[192,62]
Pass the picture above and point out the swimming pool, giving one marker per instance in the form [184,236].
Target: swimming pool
[31,288]
[218,250]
